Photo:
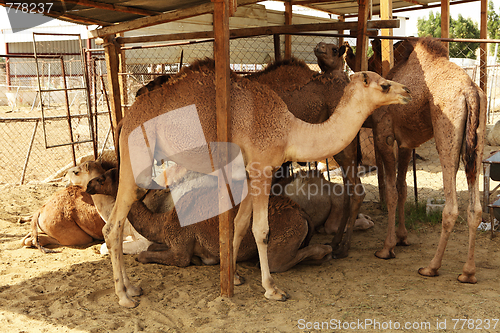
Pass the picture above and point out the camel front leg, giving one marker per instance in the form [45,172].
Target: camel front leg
[260,188]
[113,235]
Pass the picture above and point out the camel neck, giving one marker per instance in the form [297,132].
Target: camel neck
[153,226]
[312,142]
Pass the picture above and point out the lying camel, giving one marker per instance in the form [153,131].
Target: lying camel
[261,125]
[320,199]
[288,225]
[69,216]
[133,242]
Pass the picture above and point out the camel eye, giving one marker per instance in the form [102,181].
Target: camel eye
[334,51]
[385,87]
[76,173]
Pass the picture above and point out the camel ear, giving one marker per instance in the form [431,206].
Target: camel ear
[360,76]
[342,50]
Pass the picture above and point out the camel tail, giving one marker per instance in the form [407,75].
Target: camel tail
[475,110]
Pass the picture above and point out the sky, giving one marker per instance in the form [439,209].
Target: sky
[472,10]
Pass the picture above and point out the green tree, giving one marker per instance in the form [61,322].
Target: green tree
[493,25]
[459,28]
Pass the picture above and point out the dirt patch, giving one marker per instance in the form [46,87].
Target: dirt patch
[72,291]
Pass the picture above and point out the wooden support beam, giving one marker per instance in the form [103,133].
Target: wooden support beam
[288,22]
[260,31]
[111,51]
[386,44]
[205,8]
[341,32]
[483,58]
[223,115]
[122,79]
[445,22]
[115,8]
[361,36]
[277,47]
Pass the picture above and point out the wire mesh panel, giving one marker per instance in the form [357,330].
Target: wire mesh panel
[24,156]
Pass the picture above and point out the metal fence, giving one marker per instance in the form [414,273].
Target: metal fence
[35,144]
[145,62]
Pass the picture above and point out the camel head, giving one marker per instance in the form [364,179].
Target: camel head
[81,174]
[378,90]
[330,56]
[106,183]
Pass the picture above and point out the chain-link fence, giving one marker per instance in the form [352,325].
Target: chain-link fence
[145,62]
[44,108]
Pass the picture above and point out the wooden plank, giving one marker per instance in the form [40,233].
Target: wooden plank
[483,58]
[222,98]
[387,49]
[112,66]
[115,8]
[445,21]
[277,47]
[288,22]
[361,36]
[143,22]
[260,31]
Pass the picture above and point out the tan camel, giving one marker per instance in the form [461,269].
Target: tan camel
[289,228]
[313,98]
[267,133]
[450,107]
[69,216]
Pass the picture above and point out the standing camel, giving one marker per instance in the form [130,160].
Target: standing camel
[313,98]
[450,107]
[261,125]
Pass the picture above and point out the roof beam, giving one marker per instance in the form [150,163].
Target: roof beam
[75,18]
[115,8]
[143,22]
[260,31]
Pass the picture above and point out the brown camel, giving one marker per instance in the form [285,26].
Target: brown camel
[313,98]
[69,216]
[289,228]
[450,107]
[266,132]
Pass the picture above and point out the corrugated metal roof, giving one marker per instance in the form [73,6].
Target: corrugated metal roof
[108,12]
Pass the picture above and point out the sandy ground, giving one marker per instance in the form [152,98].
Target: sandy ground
[72,291]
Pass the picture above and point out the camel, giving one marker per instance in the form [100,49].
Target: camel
[261,125]
[288,224]
[313,98]
[450,107]
[321,200]
[69,217]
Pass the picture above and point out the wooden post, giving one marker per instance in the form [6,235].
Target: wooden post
[445,22]
[386,44]
[122,79]
[111,51]
[483,58]
[222,96]
[341,32]
[277,47]
[361,36]
[288,21]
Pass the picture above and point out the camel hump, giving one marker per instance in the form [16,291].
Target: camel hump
[475,102]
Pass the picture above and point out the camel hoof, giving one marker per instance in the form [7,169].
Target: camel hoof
[339,252]
[467,279]
[428,272]
[238,280]
[382,254]
[134,291]
[277,295]
[403,242]
[128,303]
